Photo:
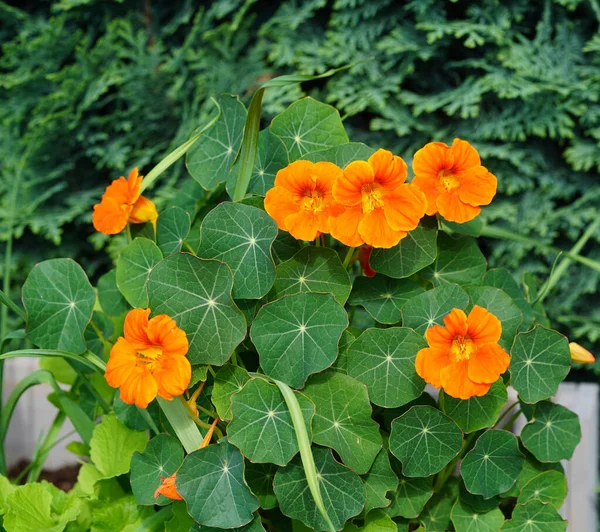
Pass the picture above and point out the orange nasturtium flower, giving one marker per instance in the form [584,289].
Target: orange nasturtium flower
[380,208]
[149,360]
[122,203]
[464,357]
[453,180]
[301,201]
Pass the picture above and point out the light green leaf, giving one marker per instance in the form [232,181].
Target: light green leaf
[383,297]
[384,360]
[465,519]
[531,469]
[196,293]
[312,269]
[6,488]
[111,300]
[535,516]
[210,158]
[376,521]
[424,440]
[260,480]
[211,481]
[540,360]
[59,300]
[435,517]
[476,413]
[172,228]
[229,380]
[411,255]
[262,425]
[253,526]
[342,155]
[493,465]
[308,125]
[134,265]
[271,156]
[553,433]
[298,335]
[160,459]
[501,278]
[343,419]
[549,486]
[113,445]
[428,309]
[459,260]
[501,306]
[122,514]
[342,491]
[241,236]
[378,481]
[410,498]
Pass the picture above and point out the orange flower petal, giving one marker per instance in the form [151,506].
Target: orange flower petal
[456,382]
[296,178]
[389,170]
[303,225]
[465,156]
[429,186]
[121,364]
[456,323]
[163,331]
[168,489]
[404,207]
[325,175]
[477,186]
[110,215]
[345,227]
[483,326]
[375,230]
[438,337]
[429,364]
[431,159]
[347,190]
[279,205]
[174,377]
[489,362]
[453,209]
[143,211]
[134,182]
[139,389]
[135,328]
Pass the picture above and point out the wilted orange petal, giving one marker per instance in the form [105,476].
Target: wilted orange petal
[477,186]
[465,156]
[167,488]
[456,322]
[453,209]
[405,207]
[279,205]
[456,382]
[345,227]
[303,225]
[139,389]
[375,230]
[347,190]
[121,364]
[483,326]
[430,362]
[580,354]
[136,326]
[488,363]
[389,169]
[143,211]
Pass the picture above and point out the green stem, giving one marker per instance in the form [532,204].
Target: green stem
[148,419]
[99,334]
[443,476]
[194,417]
[12,306]
[87,383]
[189,248]
[505,413]
[128,232]
[512,420]
[41,454]
[185,429]
[348,258]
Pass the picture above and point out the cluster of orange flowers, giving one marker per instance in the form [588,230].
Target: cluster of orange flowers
[369,202]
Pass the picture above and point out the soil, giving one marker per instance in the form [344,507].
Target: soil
[63,478]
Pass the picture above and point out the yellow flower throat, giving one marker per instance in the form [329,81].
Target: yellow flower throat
[448,180]
[372,197]
[462,348]
[149,357]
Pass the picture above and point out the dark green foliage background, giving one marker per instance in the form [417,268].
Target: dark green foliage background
[89,89]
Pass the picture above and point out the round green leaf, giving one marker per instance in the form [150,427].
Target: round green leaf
[196,293]
[229,380]
[535,516]
[259,478]
[160,459]
[384,359]
[549,486]
[465,519]
[412,253]
[425,310]
[540,360]
[459,260]
[312,269]
[59,300]
[342,155]
[210,158]
[308,125]
[383,297]
[477,502]
[343,419]
[531,469]
[298,335]
[262,426]
[342,491]
[435,517]
[424,440]
[285,247]
[553,433]
[501,278]
[172,228]
[134,265]
[111,300]
[211,481]
[241,236]
[476,413]
[410,497]
[493,465]
[378,481]
[501,306]
[271,156]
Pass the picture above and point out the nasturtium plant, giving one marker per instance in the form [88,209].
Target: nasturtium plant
[257,357]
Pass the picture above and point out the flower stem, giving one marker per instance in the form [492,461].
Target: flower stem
[505,413]
[348,258]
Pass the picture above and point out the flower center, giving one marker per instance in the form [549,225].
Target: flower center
[462,348]
[448,180]
[372,197]
[149,357]
[312,200]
